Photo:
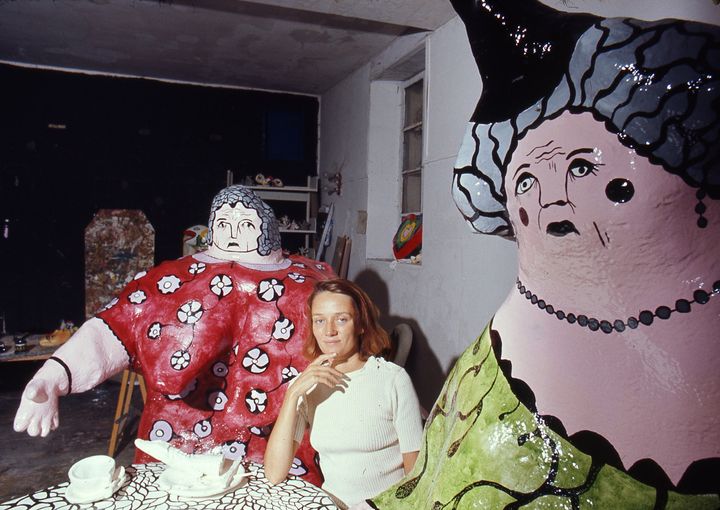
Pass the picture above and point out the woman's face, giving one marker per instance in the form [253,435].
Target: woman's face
[333,323]
[572,187]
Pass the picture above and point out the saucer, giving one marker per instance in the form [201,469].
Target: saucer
[178,483]
[73,495]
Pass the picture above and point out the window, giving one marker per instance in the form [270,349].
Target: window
[412,141]
[396,153]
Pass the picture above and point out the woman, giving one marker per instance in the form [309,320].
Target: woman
[362,411]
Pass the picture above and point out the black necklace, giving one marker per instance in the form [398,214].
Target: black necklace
[646,317]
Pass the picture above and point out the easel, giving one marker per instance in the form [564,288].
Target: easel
[127,387]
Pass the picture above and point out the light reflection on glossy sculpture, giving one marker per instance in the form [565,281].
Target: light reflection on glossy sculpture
[594,145]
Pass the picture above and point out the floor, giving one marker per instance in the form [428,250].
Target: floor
[28,464]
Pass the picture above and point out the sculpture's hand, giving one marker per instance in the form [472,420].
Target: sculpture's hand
[92,355]
[38,410]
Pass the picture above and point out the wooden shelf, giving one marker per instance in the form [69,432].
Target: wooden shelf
[296,194]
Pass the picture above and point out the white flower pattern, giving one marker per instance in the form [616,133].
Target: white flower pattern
[180,360]
[283,329]
[196,268]
[256,401]
[137,297]
[256,361]
[299,278]
[203,428]
[289,373]
[169,284]
[220,369]
[190,312]
[297,468]
[161,431]
[270,290]
[154,331]
[234,450]
[217,400]
[260,431]
[140,275]
[221,285]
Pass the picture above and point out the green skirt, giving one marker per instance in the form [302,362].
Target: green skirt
[483,449]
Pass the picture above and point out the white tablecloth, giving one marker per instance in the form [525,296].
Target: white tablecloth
[141,492]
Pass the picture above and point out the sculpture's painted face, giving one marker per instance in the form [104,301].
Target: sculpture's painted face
[236,229]
[571,183]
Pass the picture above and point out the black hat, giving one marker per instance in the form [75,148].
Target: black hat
[522,48]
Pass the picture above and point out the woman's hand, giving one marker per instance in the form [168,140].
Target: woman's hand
[282,445]
[320,371]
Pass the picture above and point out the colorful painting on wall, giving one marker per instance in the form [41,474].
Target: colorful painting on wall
[119,243]
[595,146]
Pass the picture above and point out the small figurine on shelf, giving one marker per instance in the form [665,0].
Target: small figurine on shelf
[284,222]
[262,180]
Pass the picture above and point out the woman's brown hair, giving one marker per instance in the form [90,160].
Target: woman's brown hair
[373,339]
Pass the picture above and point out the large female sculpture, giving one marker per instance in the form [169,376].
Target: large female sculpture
[595,145]
[218,335]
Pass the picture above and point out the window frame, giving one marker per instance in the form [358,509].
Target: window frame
[418,170]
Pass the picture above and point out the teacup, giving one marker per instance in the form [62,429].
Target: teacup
[91,474]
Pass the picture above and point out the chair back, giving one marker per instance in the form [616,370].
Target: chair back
[401,337]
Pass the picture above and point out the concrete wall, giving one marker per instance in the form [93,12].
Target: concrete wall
[463,278]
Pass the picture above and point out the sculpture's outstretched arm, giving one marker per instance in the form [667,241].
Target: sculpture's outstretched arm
[92,355]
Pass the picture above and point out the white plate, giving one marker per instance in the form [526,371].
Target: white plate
[179,483]
[75,496]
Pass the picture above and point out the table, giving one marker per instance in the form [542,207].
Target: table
[34,351]
[141,492]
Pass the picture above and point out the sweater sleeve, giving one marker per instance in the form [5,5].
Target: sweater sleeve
[407,419]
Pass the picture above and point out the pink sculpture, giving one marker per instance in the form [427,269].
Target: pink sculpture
[218,335]
[596,146]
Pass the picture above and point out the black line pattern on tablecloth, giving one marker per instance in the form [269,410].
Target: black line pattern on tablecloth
[141,491]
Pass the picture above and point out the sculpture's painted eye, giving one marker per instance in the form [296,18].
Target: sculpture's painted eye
[581,168]
[524,183]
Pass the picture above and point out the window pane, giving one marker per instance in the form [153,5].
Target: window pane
[412,192]
[414,103]
[412,149]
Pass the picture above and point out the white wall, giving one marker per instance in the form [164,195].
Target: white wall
[463,277]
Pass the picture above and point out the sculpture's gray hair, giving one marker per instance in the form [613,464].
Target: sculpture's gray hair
[269,233]
[655,84]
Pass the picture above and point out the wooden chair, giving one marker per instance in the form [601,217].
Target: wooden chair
[401,337]
[127,386]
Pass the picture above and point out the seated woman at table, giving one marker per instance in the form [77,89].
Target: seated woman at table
[362,411]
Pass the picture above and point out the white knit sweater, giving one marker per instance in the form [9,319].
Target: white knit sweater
[361,433]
